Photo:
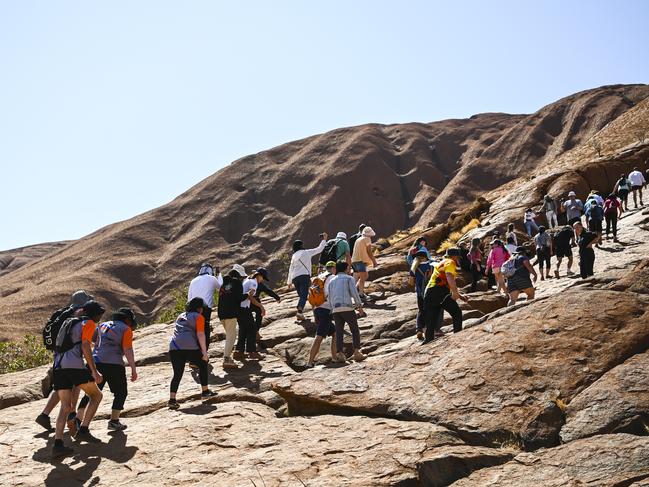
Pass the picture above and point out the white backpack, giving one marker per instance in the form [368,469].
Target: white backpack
[508,269]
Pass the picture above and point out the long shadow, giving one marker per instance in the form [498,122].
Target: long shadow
[86,458]
[199,409]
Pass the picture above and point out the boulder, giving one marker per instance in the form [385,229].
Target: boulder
[24,386]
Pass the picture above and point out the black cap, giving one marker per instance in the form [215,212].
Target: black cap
[262,271]
[194,304]
[93,308]
[124,313]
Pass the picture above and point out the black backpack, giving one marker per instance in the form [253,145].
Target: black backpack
[330,251]
[63,338]
[53,325]
[352,241]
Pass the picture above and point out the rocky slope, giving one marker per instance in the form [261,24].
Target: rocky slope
[392,177]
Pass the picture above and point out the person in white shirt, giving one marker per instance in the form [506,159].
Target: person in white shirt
[323,318]
[530,225]
[247,330]
[637,180]
[203,286]
[299,272]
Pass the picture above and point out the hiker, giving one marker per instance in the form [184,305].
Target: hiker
[188,344]
[247,339]
[543,242]
[520,280]
[337,250]
[203,286]
[594,216]
[585,241]
[362,257]
[417,246]
[114,341]
[511,246]
[637,180]
[594,196]
[420,272]
[343,297]
[322,313]
[497,257]
[356,236]
[511,234]
[549,208]
[612,211]
[564,240]
[528,220]
[262,287]
[74,309]
[442,294]
[573,208]
[475,260]
[229,308]
[73,346]
[299,271]
[621,189]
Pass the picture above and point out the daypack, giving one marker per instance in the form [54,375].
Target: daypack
[317,291]
[330,251]
[352,240]
[53,325]
[508,269]
[63,338]
[596,213]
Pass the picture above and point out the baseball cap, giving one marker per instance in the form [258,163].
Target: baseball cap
[331,263]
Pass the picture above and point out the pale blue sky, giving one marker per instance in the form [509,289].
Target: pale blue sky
[109,109]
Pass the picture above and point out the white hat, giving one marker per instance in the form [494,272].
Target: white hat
[239,269]
[368,232]
[572,193]
[341,235]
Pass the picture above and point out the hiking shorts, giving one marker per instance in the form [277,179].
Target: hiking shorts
[70,378]
[359,266]
[562,252]
[324,322]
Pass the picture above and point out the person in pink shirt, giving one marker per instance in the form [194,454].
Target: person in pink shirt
[497,257]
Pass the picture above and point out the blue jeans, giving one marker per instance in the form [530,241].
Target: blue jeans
[302,284]
[531,227]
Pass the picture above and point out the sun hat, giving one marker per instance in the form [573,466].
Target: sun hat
[79,298]
[572,193]
[239,269]
[262,271]
[341,235]
[368,232]
[331,263]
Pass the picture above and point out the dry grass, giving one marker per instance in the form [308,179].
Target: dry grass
[454,237]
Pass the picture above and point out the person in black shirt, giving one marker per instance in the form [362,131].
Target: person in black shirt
[585,242]
[563,241]
[262,287]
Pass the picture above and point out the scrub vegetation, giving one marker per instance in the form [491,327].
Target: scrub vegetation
[24,354]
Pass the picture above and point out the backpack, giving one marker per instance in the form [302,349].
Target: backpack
[317,291]
[63,339]
[330,251]
[352,241]
[508,269]
[53,325]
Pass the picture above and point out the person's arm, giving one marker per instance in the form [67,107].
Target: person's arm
[529,267]
[490,261]
[200,334]
[127,346]
[257,303]
[318,249]
[354,292]
[219,281]
[455,293]
[371,254]
[87,332]
[270,292]
[348,258]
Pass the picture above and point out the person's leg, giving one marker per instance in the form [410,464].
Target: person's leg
[635,200]
[529,292]
[474,278]
[301,284]
[333,346]
[548,262]
[241,339]
[591,262]
[607,217]
[352,321]
[51,403]
[528,228]
[230,327]
[614,225]
[178,361]
[65,396]
[540,257]
[91,389]
[315,348]
[500,281]
[119,387]
[451,306]
[195,357]
[207,314]
[340,326]
[513,297]
[570,264]
[83,404]
[583,264]
[420,314]
[250,331]
[362,277]
[555,219]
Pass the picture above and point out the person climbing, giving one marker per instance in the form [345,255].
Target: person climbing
[511,246]
[475,260]
[564,240]
[420,271]
[322,315]
[497,256]
[419,245]
[594,196]
[356,236]
[511,234]
[585,241]
[299,271]
[543,242]
[637,180]
[442,294]
[529,221]
[114,341]
[229,308]
[612,211]
[262,288]
[573,208]
[203,286]
[247,340]
[521,281]
[362,257]
[595,216]
[549,208]
[343,297]
[74,309]
[73,347]
[621,189]
[343,251]
[188,344]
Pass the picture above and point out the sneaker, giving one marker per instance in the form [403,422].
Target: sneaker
[300,317]
[310,365]
[255,356]
[230,364]
[340,358]
[438,334]
[238,355]
[85,435]
[556,274]
[44,420]
[542,278]
[570,273]
[426,342]
[358,356]
[207,394]
[420,335]
[173,404]
[116,425]
[60,450]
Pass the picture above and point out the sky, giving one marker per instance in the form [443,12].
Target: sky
[110,109]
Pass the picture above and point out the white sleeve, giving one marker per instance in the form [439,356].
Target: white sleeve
[317,250]
[219,281]
[291,271]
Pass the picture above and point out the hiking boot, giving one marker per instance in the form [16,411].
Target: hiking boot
[238,355]
[358,356]
[116,425]
[420,335]
[44,420]
[230,364]
[255,356]
[340,358]
[84,435]
[59,450]
[207,394]
[173,404]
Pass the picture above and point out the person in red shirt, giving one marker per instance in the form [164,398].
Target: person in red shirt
[612,211]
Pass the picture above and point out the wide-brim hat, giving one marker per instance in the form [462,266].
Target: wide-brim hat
[368,232]
[239,269]
[80,298]
[341,235]
[262,271]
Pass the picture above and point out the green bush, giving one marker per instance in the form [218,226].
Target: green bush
[179,296]
[24,354]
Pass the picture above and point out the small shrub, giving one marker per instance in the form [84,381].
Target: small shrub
[24,354]
[454,237]
[169,314]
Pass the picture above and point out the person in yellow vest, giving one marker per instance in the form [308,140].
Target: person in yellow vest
[442,294]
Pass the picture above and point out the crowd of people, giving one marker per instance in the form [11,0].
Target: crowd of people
[89,352]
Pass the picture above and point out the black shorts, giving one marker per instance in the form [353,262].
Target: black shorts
[636,187]
[595,225]
[324,322]
[561,252]
[70,378]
